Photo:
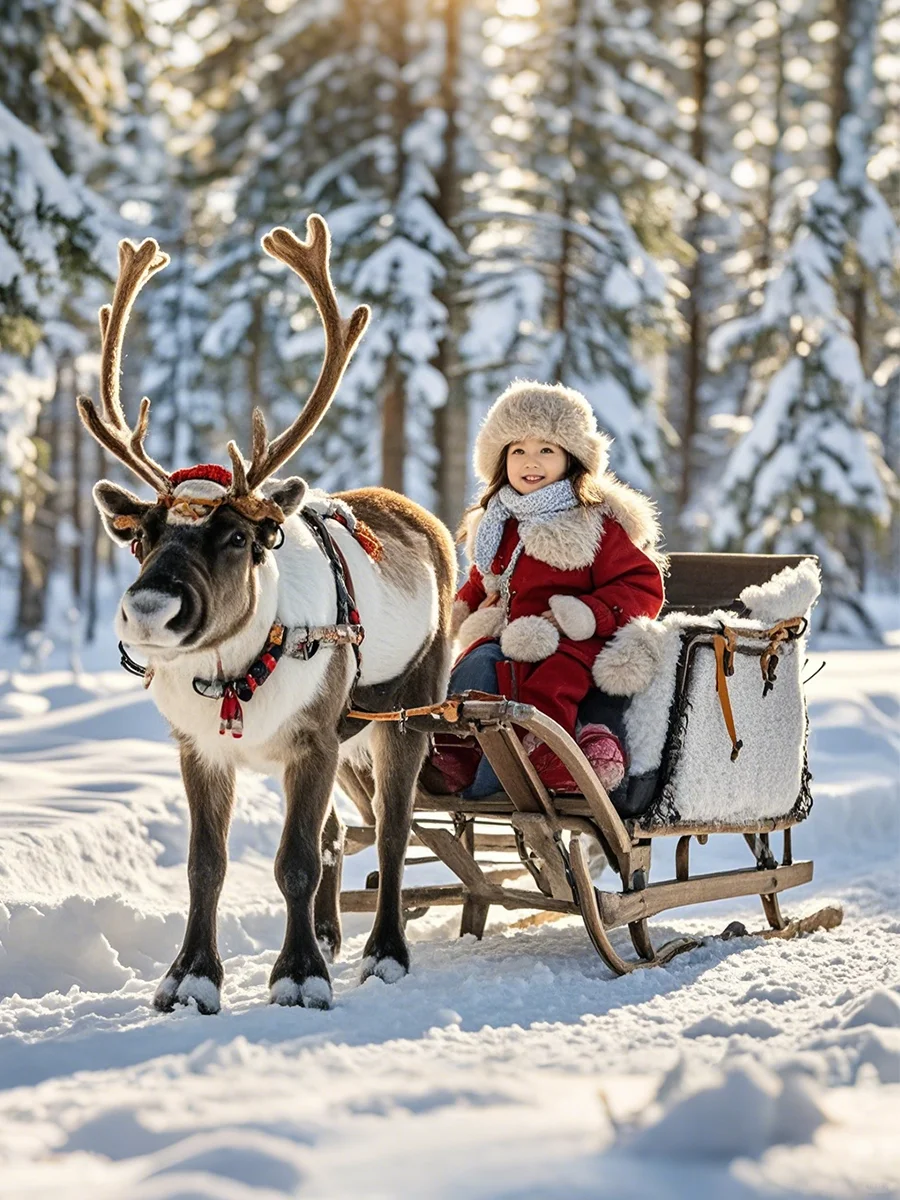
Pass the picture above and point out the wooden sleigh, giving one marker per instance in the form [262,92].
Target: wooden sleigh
[525,835]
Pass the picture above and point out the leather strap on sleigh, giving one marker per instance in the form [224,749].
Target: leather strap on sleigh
[724,645]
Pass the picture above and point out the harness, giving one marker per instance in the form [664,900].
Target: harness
[299,641]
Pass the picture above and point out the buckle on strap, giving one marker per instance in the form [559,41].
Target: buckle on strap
[299,641]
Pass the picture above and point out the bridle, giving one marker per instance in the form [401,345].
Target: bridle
[301,642]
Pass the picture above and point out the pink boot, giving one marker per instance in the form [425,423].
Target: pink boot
[605,753]
[598,744]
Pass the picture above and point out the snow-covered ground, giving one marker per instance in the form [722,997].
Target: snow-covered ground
[513,1067]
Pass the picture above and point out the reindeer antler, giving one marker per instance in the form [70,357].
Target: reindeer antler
[136,265]
[309,260]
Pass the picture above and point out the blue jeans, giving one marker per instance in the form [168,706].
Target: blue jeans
[477,672]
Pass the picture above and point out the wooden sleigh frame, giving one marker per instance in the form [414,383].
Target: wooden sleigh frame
[542,836]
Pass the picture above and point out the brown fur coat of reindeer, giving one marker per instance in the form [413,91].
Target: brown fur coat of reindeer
[241,573]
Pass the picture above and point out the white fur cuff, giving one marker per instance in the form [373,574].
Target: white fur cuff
[529,639]
[458,614]
[574,617]
[482,623]
[628,663]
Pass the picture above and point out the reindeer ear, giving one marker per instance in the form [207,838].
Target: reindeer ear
[288,494]
[121,510]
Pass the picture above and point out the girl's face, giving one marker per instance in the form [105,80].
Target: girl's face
[532,464]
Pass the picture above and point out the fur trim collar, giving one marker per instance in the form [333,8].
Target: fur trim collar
[571,540]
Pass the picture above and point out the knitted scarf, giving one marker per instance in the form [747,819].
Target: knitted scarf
[535,508]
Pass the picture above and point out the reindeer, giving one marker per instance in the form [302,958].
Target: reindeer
[242,573]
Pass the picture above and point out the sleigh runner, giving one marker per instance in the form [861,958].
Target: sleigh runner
[715,723]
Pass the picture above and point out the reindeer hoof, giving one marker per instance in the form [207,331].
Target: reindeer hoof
[389,970]
[313,992]
[198,988]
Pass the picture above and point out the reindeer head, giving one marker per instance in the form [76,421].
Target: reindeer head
[202,541]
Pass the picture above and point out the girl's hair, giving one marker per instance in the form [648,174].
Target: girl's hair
[586,488]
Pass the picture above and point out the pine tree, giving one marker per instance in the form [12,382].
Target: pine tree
[587,217]
[807,476]
[349,124]
[51,236]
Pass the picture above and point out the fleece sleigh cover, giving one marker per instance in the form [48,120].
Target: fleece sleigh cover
[680,751]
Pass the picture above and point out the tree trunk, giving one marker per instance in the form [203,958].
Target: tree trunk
[254,360]
[855,292]
[696,348]
[38,518]
[93,567]
[563,266]
[451,423]
[76,483]
[393,414]
[776,158]
[393,428]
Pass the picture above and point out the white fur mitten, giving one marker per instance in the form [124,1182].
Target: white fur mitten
[529,639]
[482,623]
[628,662]
[574,617]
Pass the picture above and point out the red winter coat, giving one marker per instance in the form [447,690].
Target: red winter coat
[584,568]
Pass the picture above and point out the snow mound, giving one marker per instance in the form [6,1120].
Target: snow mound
[95,945]
[713,1026]
[880,1007]
[741,1113]
[256,1159]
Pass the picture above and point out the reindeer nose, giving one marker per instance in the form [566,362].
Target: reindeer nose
[146,614]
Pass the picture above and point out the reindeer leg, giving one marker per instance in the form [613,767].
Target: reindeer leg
[196,974]
[300,975]
[328,897]
[397,758]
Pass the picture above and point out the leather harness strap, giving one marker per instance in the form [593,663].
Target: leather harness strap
[347,614]
[724,646]
[447,709]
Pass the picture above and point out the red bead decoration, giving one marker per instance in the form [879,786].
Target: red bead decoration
[231,715]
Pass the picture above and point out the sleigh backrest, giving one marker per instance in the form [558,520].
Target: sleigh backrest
[701,583]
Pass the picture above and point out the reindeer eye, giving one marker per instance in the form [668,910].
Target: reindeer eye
[238,539]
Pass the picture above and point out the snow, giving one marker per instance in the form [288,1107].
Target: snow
[514,1067]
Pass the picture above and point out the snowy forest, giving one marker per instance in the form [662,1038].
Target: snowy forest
[688,211]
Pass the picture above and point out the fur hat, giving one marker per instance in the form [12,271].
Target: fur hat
[541,410]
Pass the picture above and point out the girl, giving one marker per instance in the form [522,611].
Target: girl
[563,555]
